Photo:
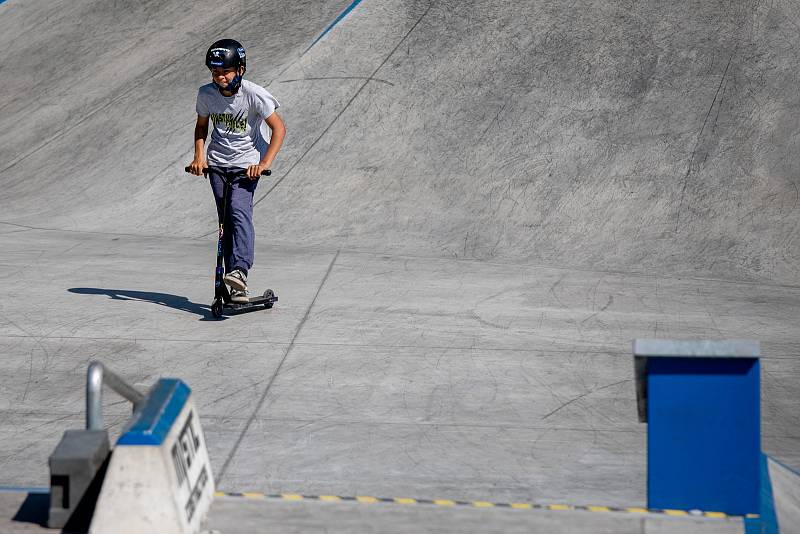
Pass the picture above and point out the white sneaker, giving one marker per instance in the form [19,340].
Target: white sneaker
[240,297]
[237,280]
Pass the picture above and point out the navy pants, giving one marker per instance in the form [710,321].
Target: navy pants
[238,236]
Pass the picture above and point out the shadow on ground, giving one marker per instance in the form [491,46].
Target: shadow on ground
[34,509]
[164,299]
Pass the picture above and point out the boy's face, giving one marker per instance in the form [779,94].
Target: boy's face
[223,76]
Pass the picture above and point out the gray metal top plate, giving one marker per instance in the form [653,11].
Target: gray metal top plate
[729,348]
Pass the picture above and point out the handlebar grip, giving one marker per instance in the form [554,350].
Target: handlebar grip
[265,172]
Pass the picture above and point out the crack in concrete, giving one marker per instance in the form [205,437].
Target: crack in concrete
[699,139]
[582,395]
[367,78]
[345,108]
[252,417]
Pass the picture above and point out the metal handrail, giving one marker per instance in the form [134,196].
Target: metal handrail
[95,377]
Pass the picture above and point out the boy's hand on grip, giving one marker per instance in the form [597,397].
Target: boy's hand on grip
[196,167]
[254,171]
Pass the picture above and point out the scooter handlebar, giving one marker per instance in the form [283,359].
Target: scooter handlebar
[265,172]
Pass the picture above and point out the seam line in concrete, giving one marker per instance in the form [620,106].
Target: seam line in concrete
[608,352]
[275,373]
[92,232]
[341,112]
[322,250]
[503,427]
[122,418]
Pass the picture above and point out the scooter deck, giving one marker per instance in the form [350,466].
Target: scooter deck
[222,303]
[254,301]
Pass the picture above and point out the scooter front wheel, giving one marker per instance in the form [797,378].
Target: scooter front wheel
[216,308]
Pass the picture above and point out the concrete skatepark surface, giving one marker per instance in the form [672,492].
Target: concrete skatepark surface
[238,516]
[479,205]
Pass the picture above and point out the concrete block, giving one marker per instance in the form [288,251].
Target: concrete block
[75,462]
[159,477]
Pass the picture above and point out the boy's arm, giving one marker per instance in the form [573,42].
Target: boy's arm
[278,129]
[200,134]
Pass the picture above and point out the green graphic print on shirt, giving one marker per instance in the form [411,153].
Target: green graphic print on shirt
[237,124]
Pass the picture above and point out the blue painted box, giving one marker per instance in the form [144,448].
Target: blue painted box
[701,400]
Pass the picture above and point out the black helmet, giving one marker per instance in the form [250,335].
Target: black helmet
[226,53]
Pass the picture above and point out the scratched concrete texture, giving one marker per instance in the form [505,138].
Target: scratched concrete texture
[644,136]
[786,491]
[238,516]
[479,205]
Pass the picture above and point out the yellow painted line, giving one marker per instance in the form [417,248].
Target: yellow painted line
[477,504]
[598,508]
[676,512]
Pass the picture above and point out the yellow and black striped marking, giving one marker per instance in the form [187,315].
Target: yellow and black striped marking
[365,499]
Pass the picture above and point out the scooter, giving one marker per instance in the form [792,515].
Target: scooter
[222,297]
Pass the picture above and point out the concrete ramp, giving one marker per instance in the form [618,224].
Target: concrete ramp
[624,136]
[98,124]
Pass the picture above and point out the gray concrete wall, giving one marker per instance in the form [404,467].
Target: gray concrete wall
[624,135]
[97,123]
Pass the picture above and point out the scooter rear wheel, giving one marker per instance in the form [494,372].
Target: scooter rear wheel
[216,308]
[268,294]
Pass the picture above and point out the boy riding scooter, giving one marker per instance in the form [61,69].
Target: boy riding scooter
[238,152]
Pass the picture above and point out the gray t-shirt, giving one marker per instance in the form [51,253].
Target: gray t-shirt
[239,136]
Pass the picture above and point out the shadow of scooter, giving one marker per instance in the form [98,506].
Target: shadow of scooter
[163,299]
